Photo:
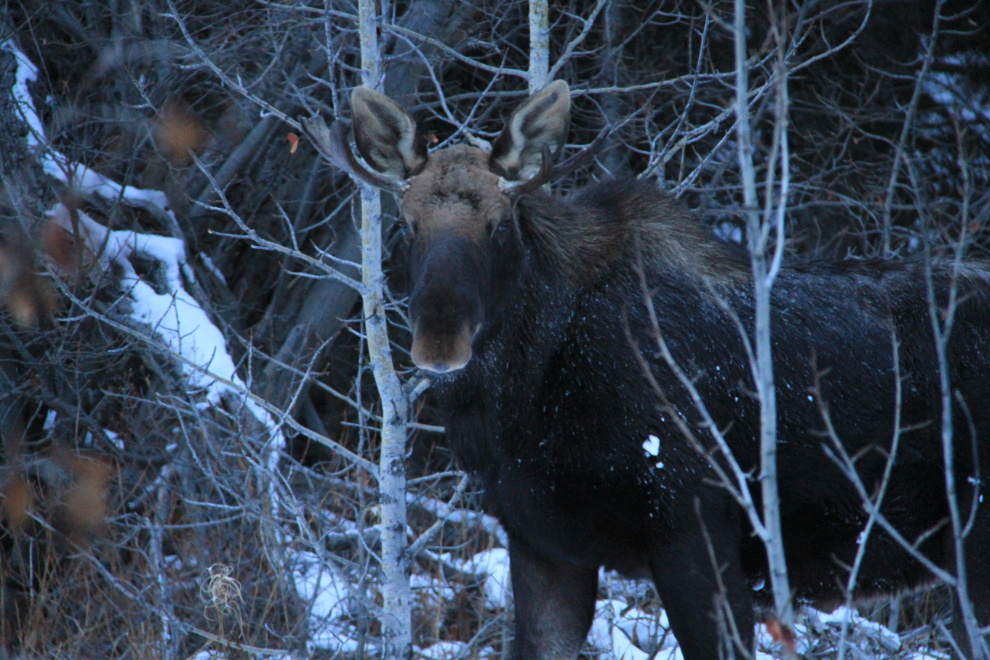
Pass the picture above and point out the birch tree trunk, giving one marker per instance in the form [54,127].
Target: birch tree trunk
[397,619]
[539,45]
[757,235]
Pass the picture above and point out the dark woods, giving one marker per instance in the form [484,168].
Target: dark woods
[139,518]
[530,312]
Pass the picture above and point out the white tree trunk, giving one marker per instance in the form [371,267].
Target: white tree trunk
[396,593]
[370,57]
[397,622]
[539,45]
[757,236]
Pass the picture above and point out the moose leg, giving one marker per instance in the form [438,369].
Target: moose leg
[555,603]
[694,596]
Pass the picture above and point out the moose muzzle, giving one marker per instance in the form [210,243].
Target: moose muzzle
[445,320]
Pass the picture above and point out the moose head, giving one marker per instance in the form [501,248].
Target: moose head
[457,212]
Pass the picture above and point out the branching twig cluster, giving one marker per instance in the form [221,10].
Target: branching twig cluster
[122,485]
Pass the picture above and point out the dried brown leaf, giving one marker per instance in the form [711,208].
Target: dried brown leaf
[16,500]
[26,296]
[86,502]
[61,248]
[180,133]
[781,633]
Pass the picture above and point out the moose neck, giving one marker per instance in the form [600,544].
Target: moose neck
[569,244]
[509,361]
[621,223]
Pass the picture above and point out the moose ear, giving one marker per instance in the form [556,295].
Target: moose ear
[542,121]
[386,135]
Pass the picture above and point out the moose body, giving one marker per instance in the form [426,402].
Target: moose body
[531,314]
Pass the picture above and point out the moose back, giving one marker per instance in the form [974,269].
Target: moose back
[529,312]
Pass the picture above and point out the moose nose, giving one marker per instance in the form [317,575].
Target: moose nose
[439,350]
[444,320]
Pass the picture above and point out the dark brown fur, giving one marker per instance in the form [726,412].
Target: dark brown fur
[528,310]
[590,241]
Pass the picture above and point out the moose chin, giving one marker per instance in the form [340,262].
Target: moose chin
[531,311]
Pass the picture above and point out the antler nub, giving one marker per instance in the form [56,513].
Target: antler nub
[333,145]
[550,173]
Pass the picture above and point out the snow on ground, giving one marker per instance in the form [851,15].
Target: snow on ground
[208,654]
[328,597]
[54,163]
[970,103]
[623,631]
[885,638]
[444,651]
[927,654]
[464,516]
[25,71]
[494,564]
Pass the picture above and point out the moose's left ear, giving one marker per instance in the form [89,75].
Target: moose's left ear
[542,121]
[386,135]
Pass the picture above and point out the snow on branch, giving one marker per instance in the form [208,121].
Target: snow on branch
[174,315]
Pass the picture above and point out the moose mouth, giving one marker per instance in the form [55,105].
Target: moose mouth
[443,352]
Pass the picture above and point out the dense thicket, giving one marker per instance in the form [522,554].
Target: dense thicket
[124,488]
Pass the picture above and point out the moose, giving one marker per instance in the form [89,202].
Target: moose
[529,314]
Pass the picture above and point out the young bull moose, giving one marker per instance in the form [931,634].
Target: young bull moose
[527,311]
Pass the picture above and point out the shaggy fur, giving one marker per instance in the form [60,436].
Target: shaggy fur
[606,224]
[552,412]
[531,314]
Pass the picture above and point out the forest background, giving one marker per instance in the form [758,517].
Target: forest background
[189,409]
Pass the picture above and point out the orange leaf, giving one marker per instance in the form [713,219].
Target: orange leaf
[16,499]
[22,292]
[86,502]
[180,132]
[294,142]
[781,633]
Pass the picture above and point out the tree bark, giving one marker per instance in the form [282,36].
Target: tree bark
[396,592]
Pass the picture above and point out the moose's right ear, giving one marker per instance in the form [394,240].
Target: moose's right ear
[386,135]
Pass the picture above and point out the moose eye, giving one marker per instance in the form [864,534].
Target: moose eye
[499,233]
[404,228]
